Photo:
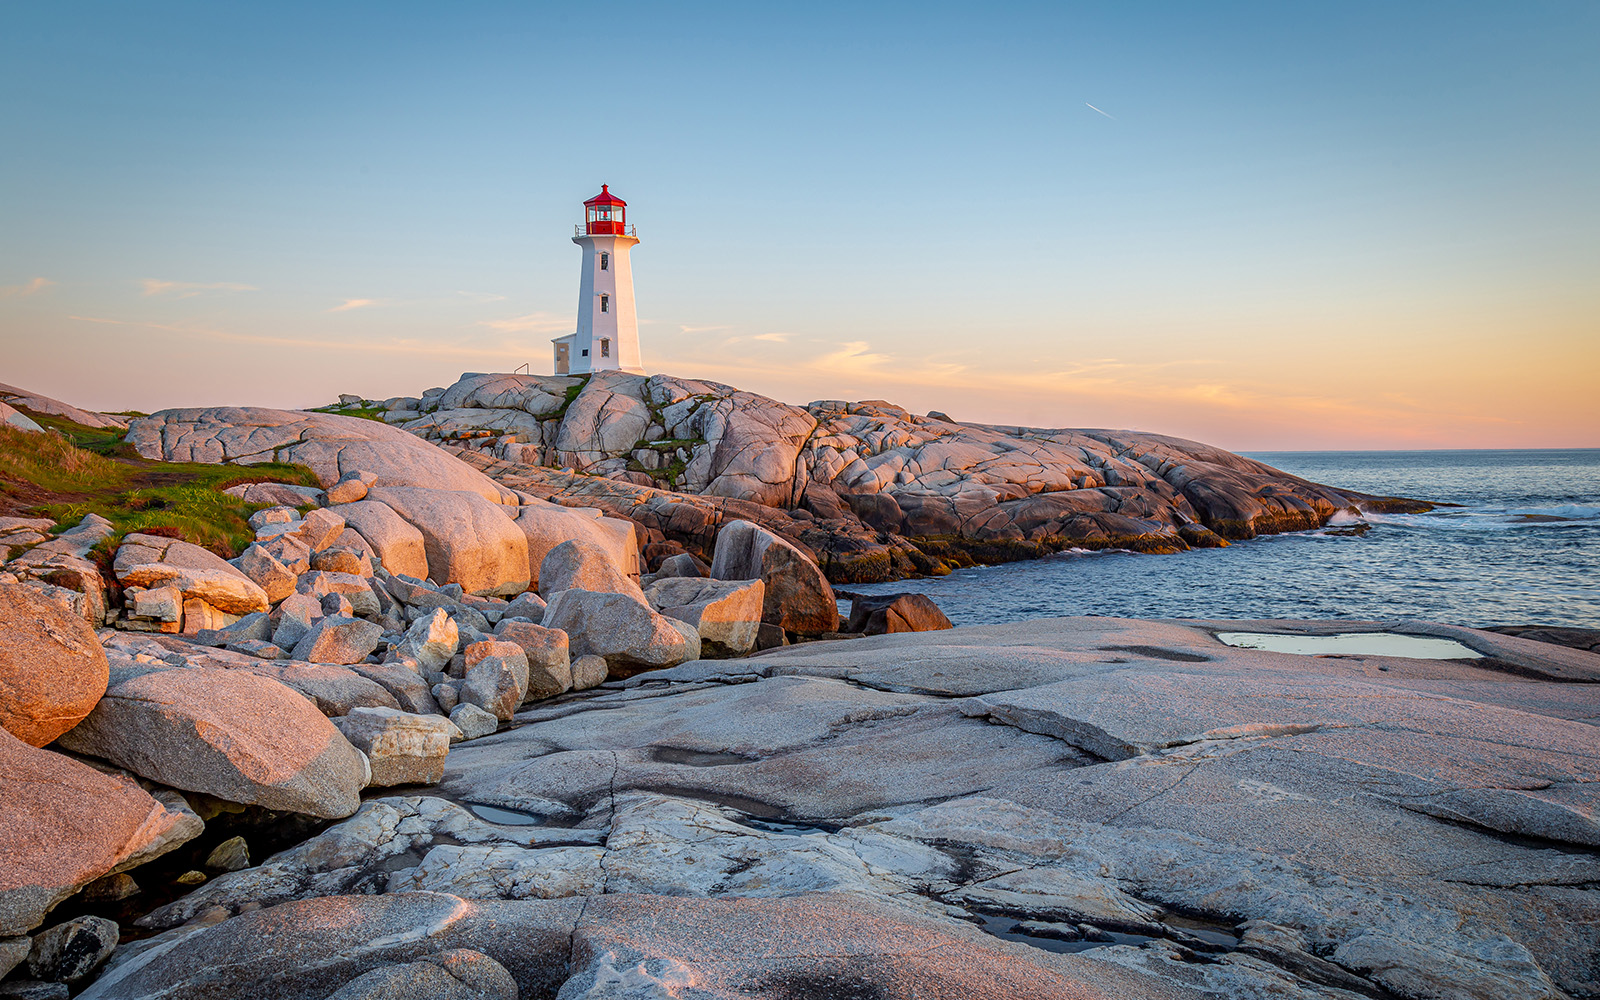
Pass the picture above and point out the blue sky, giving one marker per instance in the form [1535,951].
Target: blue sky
[1353,225]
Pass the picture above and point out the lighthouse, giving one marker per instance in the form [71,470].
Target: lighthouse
[607,338]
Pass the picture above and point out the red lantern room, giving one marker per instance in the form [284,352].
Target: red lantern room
[607,215]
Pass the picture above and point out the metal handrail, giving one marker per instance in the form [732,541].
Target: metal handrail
[583,230]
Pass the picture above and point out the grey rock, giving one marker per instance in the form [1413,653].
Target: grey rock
[339,640]
[588,672]
[473,721]
[228,733]
[725,613]
[530,606]
[583,566]
[496,678]
[626,632]
[548,655]
[70,952]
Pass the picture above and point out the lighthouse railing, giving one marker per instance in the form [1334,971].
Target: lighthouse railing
[604,229]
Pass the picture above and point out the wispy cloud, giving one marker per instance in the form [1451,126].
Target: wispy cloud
[482,297]
[502,353]
[189,289]
[33,287]
[702,329]
[775,338]
[536,322]
[350,304]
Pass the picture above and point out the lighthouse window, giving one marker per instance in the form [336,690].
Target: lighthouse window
[605,303]
[605,348]
[605,262]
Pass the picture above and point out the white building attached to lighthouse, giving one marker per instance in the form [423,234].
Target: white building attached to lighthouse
[607,338]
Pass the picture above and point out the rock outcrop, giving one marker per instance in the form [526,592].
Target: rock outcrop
[328,444]
[873,491]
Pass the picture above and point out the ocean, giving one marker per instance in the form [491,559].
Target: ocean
[1522,547]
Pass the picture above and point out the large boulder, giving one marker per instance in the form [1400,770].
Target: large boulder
[468,540]
[626,632]
[548,655]
[67,824]
[52,669]
[156,561]
[880,614]
[797,596]
[339,640]
[581,565]
[404,748]
[726,613]
[228,733]
[398,545]
[547,525]
[329,444]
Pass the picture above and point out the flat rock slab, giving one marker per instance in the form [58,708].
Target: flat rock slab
[899,814]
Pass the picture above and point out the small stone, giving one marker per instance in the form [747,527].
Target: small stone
[349,488]
[588,672]
[473,721]
[111,888]
[530,606]
[448,695]
[431,640]
[190,878]
[71,951]
[273,515]
[231,855]
[320,528]
[338,559]
[267,571]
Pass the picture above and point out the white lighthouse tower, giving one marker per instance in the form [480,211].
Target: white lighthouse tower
[607,338]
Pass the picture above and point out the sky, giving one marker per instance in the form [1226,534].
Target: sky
[1267,226]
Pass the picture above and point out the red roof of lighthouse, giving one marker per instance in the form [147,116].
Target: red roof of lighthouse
[605,197]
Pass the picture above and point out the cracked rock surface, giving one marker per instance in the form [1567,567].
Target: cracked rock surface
[1077,807]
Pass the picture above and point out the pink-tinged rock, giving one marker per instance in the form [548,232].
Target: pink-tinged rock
[581,565]
[797,597]
[468,540]
[547,525]
[154,561]
[272,576]
[549,666]
[66,825]
[227,733]
[52,669]
[397,544]
[727,613]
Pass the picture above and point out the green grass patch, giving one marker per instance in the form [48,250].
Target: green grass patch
[52,462]
[364,412]
[65,481]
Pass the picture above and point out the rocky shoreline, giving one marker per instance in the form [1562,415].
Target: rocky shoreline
[455,724]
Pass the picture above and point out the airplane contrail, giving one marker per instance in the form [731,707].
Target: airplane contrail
[1091,107]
